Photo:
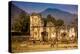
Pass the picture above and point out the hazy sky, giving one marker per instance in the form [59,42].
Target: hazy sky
[38,7]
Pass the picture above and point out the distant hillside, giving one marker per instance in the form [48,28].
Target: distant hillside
[59,14]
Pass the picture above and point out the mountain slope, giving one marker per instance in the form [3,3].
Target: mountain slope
[59,14]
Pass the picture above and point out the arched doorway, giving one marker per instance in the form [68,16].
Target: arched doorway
[44,35]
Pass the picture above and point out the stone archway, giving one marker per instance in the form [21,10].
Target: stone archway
[44,35]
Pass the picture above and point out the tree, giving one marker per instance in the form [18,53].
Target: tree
[26,23]
[51,18]
[21,23]
[59,23]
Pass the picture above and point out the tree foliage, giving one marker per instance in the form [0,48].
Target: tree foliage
[59,22]
[51,18]
[21,23]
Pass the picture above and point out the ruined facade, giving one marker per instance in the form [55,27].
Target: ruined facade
[37,27]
